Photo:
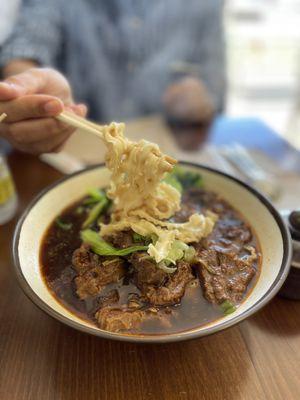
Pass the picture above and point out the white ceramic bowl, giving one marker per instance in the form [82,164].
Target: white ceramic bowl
[272,233]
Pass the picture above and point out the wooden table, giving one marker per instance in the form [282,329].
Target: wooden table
[41,359]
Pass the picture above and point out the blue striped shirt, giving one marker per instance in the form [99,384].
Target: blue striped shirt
[120,55]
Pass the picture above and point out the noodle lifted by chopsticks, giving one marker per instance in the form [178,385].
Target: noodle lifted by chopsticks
[142,201]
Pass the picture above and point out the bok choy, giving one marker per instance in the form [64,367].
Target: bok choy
[102,248]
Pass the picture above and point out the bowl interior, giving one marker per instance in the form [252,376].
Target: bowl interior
[272,235]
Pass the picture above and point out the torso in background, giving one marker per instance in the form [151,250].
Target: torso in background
[8,14]
[120,55]
[127,50]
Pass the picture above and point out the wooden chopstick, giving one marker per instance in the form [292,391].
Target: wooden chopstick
[81,123]
[84,120]
[76,122]
[2,117]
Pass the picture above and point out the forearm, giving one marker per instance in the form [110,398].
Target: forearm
[17,66]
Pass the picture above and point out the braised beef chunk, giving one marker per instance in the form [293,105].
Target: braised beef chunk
[134,301]
[240,233]
[83,259]
[173,290]
[112,297]
[91,282]
[229,236]
[157,286]
[225,276]
[119,319]
[146,271]
[94,272]
[122,240]
[235,231]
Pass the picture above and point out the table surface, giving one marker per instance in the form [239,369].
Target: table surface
[41,359]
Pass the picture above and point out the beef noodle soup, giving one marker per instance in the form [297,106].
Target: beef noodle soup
[116,284]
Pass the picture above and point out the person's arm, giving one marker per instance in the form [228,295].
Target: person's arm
[31,99]
[31,96]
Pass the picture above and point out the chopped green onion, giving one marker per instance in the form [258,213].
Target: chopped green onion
[66,226]
[227,307]
[168,262]
[177,251]
[95,212]
[102,248]
[169,270]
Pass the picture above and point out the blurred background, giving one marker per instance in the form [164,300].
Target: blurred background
[263,55]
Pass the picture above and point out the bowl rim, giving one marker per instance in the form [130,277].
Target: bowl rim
[161,338]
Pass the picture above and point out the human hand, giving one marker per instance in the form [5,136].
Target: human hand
[31,99]
[187,100]
[189,111]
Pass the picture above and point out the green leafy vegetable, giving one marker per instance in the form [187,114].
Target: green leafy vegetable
[187,178]
[66,226]
[181,178]
[172,180]
[89,201]
[99,246]
[137,237]
[95,211]
[95,195]
[228,307]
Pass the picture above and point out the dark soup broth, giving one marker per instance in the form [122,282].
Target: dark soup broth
[130,294]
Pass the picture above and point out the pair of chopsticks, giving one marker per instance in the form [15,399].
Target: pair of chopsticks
[76,122]
[81,123]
